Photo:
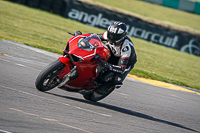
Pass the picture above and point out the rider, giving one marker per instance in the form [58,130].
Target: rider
[123,55]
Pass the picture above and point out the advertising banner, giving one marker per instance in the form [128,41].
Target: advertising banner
[100,17]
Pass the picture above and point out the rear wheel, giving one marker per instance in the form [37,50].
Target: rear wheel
[99,94]
[49,77]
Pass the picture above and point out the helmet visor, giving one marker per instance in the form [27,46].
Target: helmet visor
[114,36]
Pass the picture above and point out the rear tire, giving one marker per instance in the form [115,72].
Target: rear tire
[48,77]
[87,96]
[99,94]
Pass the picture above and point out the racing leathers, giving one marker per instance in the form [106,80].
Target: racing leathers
[122,60]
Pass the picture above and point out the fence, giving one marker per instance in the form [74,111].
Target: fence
[185,5]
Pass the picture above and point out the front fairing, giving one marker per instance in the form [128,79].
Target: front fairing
[86,46]
[81,56]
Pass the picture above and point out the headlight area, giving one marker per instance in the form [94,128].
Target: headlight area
[76,58]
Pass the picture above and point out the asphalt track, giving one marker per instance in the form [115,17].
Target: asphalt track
[137,107]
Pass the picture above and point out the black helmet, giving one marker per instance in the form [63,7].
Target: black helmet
[116,32]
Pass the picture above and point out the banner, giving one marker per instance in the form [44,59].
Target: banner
[101,17]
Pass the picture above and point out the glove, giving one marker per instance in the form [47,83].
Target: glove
[106,65]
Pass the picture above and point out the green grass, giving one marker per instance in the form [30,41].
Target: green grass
[157,12]
[37,28]
[48,31]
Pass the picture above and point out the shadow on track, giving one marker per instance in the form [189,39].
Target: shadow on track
[125,111]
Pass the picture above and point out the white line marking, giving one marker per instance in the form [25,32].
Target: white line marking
[34,95]
[121,94]
[5,60]
[3,131]
[26,66]
[32,62]
[20,65]
[92,111]
[57,101]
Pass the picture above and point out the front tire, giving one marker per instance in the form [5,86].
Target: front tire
[49,77]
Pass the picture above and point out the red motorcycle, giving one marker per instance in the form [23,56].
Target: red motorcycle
[79,70]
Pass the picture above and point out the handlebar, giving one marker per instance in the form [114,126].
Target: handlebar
[71,34]
[99,61]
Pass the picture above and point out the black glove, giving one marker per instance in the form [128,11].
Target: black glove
[106,65]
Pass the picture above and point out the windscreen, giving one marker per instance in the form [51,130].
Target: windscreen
[89,43]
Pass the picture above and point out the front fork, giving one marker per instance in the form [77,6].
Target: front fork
[66,73]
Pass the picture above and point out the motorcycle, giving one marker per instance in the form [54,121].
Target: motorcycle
[79,69]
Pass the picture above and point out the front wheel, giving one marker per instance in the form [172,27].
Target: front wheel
[99,93]
[49,77]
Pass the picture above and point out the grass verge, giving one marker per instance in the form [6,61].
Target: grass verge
[48,31]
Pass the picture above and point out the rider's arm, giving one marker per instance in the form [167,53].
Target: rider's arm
[123,61]
[103,36]
[125,55]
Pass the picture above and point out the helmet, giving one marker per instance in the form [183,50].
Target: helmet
[116,32]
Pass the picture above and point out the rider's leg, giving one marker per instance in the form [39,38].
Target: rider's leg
[119,78]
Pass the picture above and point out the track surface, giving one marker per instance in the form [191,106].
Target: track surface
[137,107]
